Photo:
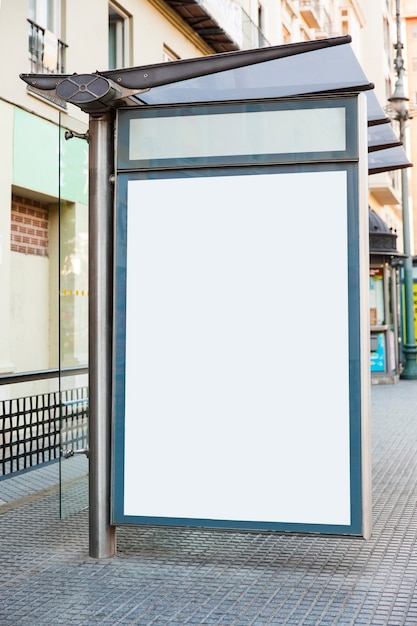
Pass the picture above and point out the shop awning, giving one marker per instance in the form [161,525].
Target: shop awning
[381,137]
[376,114]
[387,159]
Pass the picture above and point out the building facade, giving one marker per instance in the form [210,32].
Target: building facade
[379,36]
[43,176]
[44,156]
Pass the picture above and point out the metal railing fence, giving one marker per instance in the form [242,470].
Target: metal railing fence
[36,429]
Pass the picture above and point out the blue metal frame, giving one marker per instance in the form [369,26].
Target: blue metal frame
[350,166]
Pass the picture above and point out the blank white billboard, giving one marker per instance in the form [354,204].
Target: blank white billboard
[237,349]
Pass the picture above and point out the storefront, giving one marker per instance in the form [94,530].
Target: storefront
[383,302]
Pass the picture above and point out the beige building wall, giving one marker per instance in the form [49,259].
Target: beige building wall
[372,28]
[156,28]
[327,18]
[378,38]
[29,315]
[150,27]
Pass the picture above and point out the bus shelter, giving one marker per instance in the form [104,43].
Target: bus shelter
[239,378]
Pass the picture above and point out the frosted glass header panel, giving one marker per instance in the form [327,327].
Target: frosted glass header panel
[245,133]
[265,132]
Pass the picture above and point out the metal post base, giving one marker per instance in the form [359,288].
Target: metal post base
[410,366]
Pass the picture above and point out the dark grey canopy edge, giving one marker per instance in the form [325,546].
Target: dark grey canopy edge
[388,167]
[386,159]
[164,73]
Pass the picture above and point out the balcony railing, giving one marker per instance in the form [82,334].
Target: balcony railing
[326,27]
[309,10]
[46,52]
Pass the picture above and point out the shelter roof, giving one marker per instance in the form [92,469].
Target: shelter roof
[325,67]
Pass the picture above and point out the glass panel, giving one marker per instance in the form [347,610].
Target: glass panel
[326,69]
[74,437]
[118,34]
[230,133]
[46,14]
[73,324]
[376,297]
[112,45]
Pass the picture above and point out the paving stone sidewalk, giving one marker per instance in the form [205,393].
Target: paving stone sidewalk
[197,577]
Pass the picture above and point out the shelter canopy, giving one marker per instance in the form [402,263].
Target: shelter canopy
[322,67]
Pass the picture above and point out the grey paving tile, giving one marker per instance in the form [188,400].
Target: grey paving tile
[196,577]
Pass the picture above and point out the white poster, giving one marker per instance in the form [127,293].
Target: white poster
[237,356]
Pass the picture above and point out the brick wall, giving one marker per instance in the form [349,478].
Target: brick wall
[29,227]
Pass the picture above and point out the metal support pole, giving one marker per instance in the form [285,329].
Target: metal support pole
[399,101]
[101,155]
[409,347]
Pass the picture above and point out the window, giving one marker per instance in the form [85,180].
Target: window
[286,35]
[387,40]
[261,25]
[47,14]
[118,38]
[46,50]
[388,88]
[169,55]
[376,297]
[344,15]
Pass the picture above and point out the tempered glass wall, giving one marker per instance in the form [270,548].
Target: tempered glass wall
[73,323]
